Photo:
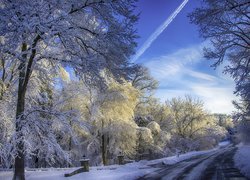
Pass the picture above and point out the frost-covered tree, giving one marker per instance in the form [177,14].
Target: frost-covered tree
[145,142]
[192,124]
[244,128]
[153,110]
[188,116]
[225,23]
[113,121]
[143,81]
[86,35]
[151,141]
[8,74]
[146,84]
[78,98]
[6,130]
[45,117]
[161,140]
[224,120]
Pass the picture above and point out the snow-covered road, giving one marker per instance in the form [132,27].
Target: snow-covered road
[212,165]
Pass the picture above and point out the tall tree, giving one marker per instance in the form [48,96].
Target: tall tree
[192,125]
[114,119]
[86,35]
[145,83]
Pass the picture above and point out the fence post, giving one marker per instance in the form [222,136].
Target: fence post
[120,159]
[85,164]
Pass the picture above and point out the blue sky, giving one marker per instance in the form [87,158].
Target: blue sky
[175,57]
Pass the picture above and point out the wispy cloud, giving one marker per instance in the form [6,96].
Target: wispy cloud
[179,74]
[200,75]
[164,67]
[158,31]
[218,99]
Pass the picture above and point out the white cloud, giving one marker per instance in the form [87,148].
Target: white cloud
[164,67]
[200,75]
[217,99]
[178,76]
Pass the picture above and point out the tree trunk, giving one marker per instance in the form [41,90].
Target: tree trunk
[24,75]
[70,140]
[104,150]
[19,160]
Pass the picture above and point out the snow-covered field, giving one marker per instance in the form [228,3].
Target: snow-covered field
[114,172]
[242,159]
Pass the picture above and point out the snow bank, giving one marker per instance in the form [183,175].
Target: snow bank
[224,143]
[242,159]
[174,159]
[114,172]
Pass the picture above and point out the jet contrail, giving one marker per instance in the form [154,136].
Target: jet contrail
[158,31]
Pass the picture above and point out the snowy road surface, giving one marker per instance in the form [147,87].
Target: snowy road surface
[216,165]
[212,164]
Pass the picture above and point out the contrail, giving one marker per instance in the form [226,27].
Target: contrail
[158,31]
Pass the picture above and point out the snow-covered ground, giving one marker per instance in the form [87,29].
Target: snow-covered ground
[224,143]
[242,159]
[115,172]
[128,171]
[110,172]
[174,159]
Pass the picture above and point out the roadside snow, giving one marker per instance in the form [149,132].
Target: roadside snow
[174,159]
[242,159]
[224,143]
[115,172]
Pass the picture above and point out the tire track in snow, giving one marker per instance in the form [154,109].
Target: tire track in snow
[214,165]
